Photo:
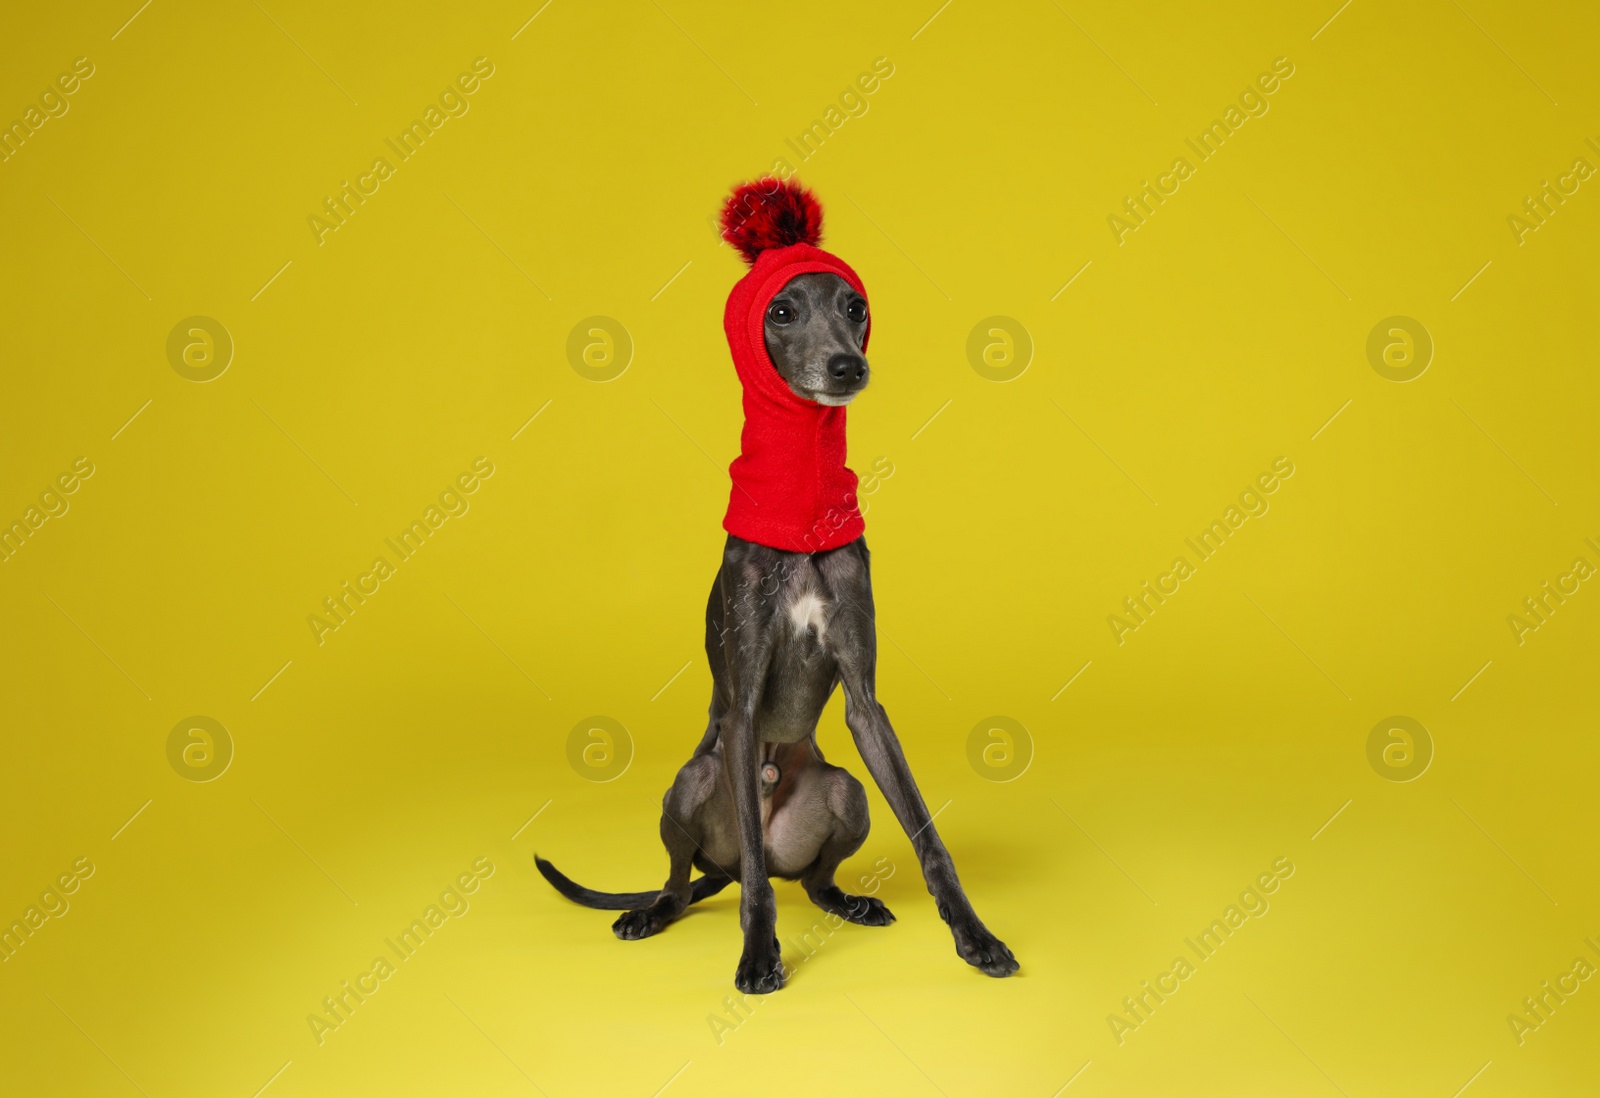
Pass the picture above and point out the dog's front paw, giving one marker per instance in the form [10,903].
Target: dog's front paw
[760,971]
[983,951]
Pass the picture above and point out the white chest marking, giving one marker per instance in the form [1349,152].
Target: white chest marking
[808,611]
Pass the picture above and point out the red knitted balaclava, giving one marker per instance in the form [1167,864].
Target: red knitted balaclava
[791,487]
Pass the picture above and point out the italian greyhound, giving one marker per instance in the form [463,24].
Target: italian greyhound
[783,631]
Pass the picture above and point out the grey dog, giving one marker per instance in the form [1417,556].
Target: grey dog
[783,630]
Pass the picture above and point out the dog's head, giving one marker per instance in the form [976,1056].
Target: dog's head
[816,331]
[815,327]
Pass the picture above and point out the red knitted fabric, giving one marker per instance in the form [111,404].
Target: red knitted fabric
[791,487]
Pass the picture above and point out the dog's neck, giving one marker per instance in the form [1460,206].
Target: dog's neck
[791,487]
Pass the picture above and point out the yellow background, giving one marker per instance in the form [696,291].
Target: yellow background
[428,729]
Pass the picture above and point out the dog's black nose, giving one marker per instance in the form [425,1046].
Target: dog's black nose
[850,369]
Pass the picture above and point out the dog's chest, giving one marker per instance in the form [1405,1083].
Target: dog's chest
[800,676]
[807,612]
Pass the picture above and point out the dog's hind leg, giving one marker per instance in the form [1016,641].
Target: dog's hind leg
[708,742]
[717,658]
[684,820]
[847,804]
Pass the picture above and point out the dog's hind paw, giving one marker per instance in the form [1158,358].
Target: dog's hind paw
[867,911]
[633,925]
[983,951]
[861,910]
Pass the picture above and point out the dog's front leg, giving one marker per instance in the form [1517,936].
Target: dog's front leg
[880,750]
[856,645]
[760,965]
[749,652]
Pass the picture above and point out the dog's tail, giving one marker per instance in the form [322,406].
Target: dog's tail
[700,889]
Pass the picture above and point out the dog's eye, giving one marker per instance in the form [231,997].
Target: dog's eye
[856,310]
[781,313]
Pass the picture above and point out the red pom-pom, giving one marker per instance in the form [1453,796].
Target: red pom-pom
[770,214]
